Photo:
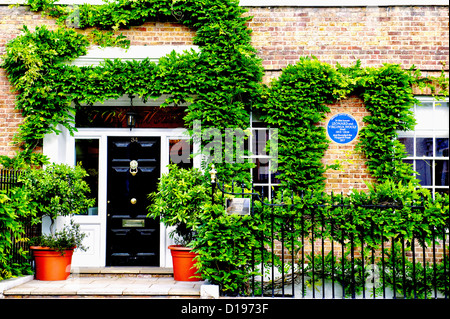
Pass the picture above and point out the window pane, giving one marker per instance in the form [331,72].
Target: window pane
[424,116]
[441,172]
[259,140]
[441,116]
[424,146]
[442,191]
[409,144]
[261,171]
[180,153]
[441,147]
[424,169]
[116,117]
[275,180]
[86,153]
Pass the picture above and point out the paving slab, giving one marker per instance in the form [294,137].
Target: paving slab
[100,291]
[138,289]
[106,286]
[160,290]
[184,290]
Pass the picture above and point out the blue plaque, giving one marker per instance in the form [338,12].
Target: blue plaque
[342,128]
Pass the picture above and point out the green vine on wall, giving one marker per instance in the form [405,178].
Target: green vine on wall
[223,77]
[221,80]
[297,101]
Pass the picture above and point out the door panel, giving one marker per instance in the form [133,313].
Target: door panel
[132,238]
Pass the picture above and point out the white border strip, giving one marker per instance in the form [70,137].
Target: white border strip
[340,3]
[289,3]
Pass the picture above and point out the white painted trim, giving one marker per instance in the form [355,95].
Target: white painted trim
[340,3]
[288,3]
[60,148]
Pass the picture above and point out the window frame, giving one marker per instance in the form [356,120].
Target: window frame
[270,184]
[429,132]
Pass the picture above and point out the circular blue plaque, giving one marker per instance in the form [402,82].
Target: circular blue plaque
[342,128]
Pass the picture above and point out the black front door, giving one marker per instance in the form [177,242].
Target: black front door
[133,172]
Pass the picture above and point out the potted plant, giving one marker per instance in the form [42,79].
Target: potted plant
[179,201]
[57,190]
[53,252]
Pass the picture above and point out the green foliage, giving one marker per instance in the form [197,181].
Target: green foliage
[413,285]
[222,78]
[28,60]
[69,237]
[221,82]
[388,210]
[296,103]
[179,202]
[57,190]
[388,95]
[16,209]
[225,244]
[23,160]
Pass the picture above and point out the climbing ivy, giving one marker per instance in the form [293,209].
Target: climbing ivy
[297,101]
[223,77]
[387,93]
[221,83]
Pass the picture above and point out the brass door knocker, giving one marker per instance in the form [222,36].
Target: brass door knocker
[133,167]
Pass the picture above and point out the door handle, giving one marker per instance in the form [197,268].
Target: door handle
[133,201]
[133,167]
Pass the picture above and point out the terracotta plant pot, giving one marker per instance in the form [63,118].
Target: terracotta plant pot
[51,264]
[183,263]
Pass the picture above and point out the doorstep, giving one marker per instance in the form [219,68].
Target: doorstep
[13,282]
[124,271]
[110,282]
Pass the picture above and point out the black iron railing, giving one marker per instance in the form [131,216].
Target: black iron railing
[9,180]
[311,254]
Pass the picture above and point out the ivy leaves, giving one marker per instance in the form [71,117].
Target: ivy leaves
[296,102]
[28,60]
[218,81]
[388,96]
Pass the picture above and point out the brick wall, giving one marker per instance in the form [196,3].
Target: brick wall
[12,20]
[375,35]
[353,172]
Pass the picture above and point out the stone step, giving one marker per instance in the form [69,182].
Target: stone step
[110,282]
[122,271]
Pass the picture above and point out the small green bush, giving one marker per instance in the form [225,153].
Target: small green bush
[58,190]
[179,202]
[69,237]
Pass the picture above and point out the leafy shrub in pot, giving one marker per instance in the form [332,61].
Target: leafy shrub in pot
[182,196]
[57,190]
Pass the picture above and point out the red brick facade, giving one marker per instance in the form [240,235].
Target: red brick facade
[375,35]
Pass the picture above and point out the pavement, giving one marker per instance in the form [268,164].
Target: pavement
[109,282]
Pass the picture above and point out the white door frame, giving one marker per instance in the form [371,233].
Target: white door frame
[61,149]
